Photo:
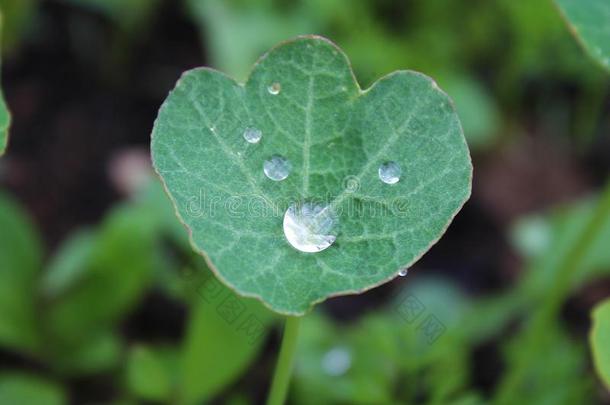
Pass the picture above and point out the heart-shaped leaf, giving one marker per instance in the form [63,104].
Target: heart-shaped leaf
[589,21]
[296,157]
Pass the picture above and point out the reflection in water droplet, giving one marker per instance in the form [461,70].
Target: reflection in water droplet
[277,168]
[403,272]
[274,88]
[252,135]
[389,172]
[310,227]
[337,361]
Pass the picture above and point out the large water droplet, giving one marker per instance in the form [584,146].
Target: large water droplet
[403,272]
[310,227]
[277,168]
[253,135]
[336,361]
[274,88]
[389,172]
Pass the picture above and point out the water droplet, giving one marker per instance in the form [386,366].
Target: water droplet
[337,361]
[389,172]
[277,168]
[310,227]
[274,88]
[253,135]
[403,272]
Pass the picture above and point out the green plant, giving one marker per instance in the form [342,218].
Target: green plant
[365,181]
[600,337]
[588,21]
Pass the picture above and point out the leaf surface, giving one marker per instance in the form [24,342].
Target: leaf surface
[589,21]
[304,99]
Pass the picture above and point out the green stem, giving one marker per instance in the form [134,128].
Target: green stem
[283,369]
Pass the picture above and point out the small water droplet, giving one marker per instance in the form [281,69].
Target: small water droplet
[275,88]
[310,227]
[337,361]
[403,272]
[253,135]
[277,167]
[389,172]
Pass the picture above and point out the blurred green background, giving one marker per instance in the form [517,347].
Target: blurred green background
[103,302]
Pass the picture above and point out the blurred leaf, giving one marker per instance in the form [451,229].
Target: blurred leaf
[224,336]
[69,264]
[17,18]
[589,21]
[554,360]
[476,108]
[147,374]
[230,28]
[393,356]
[600,341]
[333,366]
[20,262]
[17,388]
[562,228]
[100,353]
[115,275]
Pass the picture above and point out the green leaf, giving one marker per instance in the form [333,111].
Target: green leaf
[335,136]
[600,340]
[20,262]
[100,353]
[68,266]
[27,389]
[224,336]
[147,375]
[589,21]
[109,280]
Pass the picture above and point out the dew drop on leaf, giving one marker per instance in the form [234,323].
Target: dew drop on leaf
[403,272]
[389,172]
[336,361]
[253,135]
[277,168]
[310,227]
[274,88]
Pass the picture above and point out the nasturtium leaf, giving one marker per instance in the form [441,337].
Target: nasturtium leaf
[303,98]
[589,21]
[600,341]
